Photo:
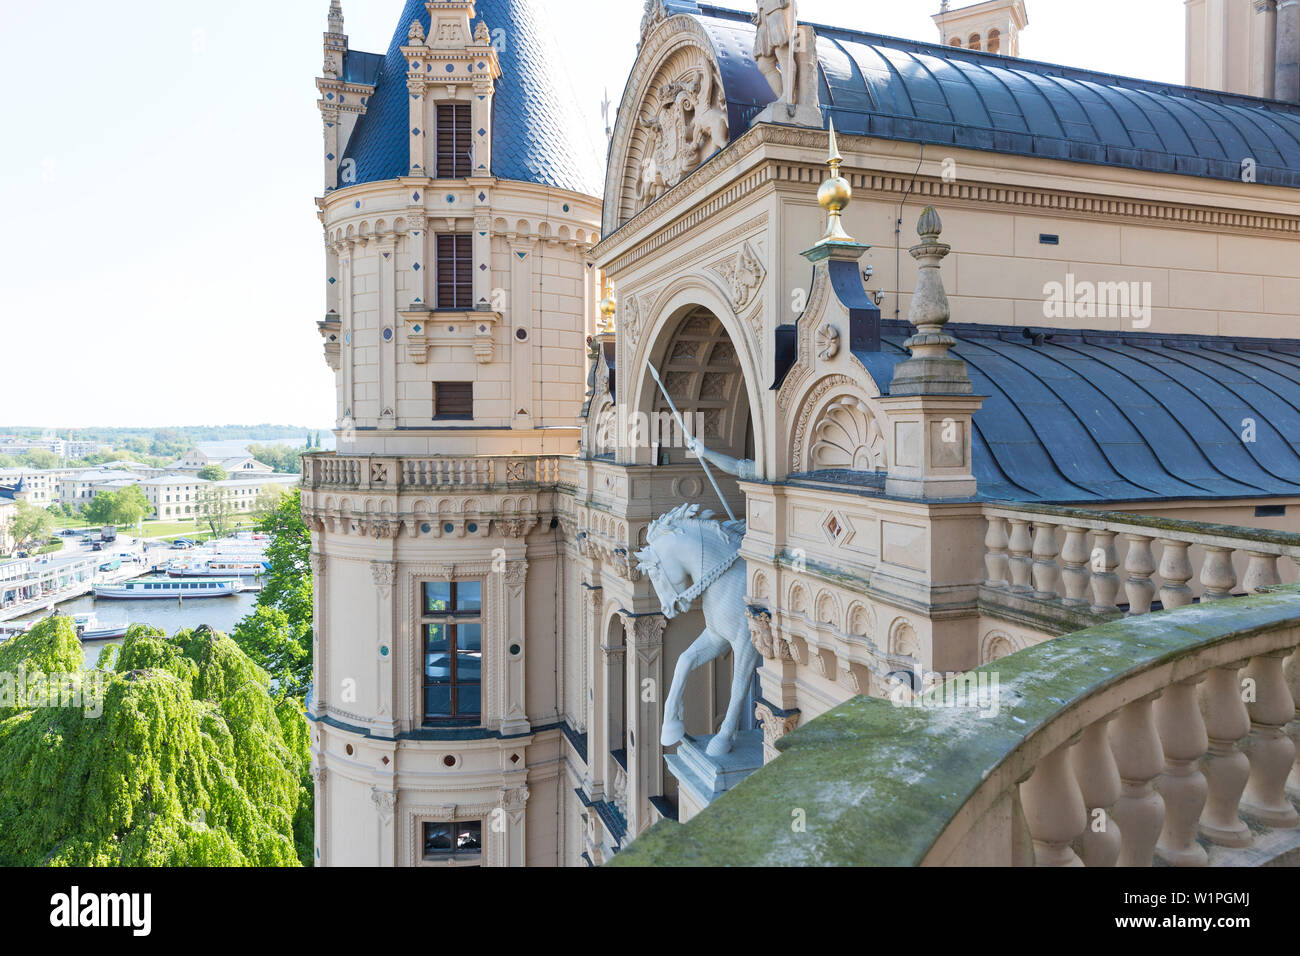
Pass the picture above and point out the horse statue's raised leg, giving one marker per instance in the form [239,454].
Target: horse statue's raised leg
[708,646]
[743,661]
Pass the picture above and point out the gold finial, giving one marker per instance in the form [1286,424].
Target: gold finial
[835,196]
[608,306]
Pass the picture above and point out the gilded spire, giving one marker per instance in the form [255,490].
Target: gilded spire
[835,195]
[608,307]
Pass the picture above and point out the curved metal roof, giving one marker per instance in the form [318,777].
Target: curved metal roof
[539,134]
[891,88]
[1074,416]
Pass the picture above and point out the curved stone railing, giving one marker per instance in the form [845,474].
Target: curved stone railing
[1168,736]
[372,473]
[1086,566]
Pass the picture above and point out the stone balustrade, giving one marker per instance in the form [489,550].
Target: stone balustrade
[1166,737]
[1080,566]
[369,473]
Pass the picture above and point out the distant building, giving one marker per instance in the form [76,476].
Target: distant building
[72,450]
[7,511]
[173,496]
[196,460]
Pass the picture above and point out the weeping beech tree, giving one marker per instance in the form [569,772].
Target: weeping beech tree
[185,760]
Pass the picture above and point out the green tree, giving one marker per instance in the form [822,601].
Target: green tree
[175,754]
[129,506]
[30,525]
[101,508]
[278,633]
[213,473]
[41,459]
[212,506]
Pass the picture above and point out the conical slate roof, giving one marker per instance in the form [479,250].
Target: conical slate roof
[539,133]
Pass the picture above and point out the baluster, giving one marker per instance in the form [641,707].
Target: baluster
[1140,810]
[1261,572]
[1175,572]
[1292,672]
[1074,570]
[1183,786]
[1226,767]
[1021,564]
[1094,768]
[1046,574]
[1054,809]
[1139,564]
[995,553]
[1105,582]
[1217,574]
[1269,749]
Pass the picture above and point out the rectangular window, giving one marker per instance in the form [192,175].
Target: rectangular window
[460,842]
[453,400]
[453,140]
[455,270]
[451,616]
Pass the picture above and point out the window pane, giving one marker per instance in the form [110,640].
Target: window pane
[437,701]
[436,638]
[438,837]
[469,596]
[469,836]
[470,697]
[469,667]
[469,636]
[437,596]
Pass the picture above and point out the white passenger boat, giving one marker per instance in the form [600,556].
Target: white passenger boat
[89,628]
[155,589]
[218,566]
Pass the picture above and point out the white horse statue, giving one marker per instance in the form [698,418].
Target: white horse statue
[689,555]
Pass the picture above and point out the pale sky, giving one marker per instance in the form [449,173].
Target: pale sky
[160,258]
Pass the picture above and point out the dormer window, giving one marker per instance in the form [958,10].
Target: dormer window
[454,158]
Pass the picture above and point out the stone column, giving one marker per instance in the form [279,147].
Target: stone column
[417,225]
[645,692]
[513,649]
[387,330]
[1287,83]
[519,317]
[320,805]
[320,676]
[514,841]
[385,802]
[384,573]
[1263,79]
[597,739]
[346,322]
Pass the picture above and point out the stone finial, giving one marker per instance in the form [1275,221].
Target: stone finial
[336,16]
[835,195]
[481,33]
[416,34]
[930,370]
[943,6]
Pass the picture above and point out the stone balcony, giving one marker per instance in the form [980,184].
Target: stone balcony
[1165,738]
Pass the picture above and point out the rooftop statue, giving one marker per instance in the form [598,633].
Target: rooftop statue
[690,555]
[774,46]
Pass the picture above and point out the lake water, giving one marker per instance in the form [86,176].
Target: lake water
[233,448]
[220,614]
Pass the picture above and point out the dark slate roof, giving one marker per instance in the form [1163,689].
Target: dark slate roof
[1075,417]
[897,89]
[539,133]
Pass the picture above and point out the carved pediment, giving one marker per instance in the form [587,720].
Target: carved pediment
[742,273]
[678,120]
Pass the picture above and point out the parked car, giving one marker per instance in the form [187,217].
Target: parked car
[96,547]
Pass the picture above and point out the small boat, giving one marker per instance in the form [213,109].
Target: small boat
[158,589]
[220,566]
[89,628]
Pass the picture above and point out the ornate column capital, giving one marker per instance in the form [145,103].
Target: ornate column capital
[644,631]
[383,573]
[385,802]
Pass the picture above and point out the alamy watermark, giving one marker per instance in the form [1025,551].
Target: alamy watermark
[970,690]
[1083,299]
[23,688]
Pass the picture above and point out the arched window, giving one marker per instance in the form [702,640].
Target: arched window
[974,42]
[955,41]
[995,41]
